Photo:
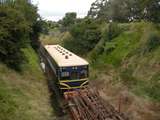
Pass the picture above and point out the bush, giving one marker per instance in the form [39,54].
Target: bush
[12,37]
[19,28]
[111,32]
[109,47]
[98,50]
[85,36]
[153,42]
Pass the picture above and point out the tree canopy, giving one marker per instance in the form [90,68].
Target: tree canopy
[85,35]
[68,20]
[18,20]
[125,10]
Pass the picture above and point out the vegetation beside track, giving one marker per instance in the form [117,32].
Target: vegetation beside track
[134,57]
[24,91]
[125,62]
[24,95]
[123,52]
[129,67]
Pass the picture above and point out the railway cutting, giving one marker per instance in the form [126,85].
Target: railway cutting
[69,74]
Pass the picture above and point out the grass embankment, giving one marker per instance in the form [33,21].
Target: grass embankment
[54,37]
[135,58]
[130,67]
[127,66]
[24,96]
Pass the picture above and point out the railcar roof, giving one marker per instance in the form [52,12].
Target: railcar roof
[64,57]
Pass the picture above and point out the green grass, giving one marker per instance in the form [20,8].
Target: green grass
[125,43]
[131,56]
[13,104]
[54,39]
[24,96]
[136,67]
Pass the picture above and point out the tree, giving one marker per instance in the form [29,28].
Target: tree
[68,20]
[96,7]
[33,19]
[151,10]
[122,10]
[85,35]
[13,37]
[19,28]
[125,10]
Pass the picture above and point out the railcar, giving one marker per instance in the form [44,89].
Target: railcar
[71,71]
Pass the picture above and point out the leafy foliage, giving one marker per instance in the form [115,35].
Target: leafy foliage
[153,41]
[68,21]
[98,50]
[124,53]
[95,8]
[113,31]
[125,10]
[85,35]
[12,37]
[31,16]
[20,93]
[151,10]
[18,21]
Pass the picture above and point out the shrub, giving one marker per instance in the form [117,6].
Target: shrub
[98,50]
[111,32]
[19,28]
[109,47]
[108,35]
[85,36]
[12,37]
[153,42]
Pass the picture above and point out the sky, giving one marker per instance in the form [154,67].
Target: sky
[56,9]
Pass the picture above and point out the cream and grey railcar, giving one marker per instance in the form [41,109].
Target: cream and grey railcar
[70,70]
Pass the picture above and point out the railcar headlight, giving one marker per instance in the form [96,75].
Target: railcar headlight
[65,74]
[74,68]
[62,68]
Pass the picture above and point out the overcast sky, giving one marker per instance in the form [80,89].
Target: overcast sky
[56,9]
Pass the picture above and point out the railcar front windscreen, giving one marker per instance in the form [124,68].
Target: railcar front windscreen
[73,73]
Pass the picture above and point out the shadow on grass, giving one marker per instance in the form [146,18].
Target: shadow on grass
[57,101]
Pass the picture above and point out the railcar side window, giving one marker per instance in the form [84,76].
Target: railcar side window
[83,74]
[74,75]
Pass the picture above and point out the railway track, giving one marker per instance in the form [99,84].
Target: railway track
[85,104]
[82,104]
